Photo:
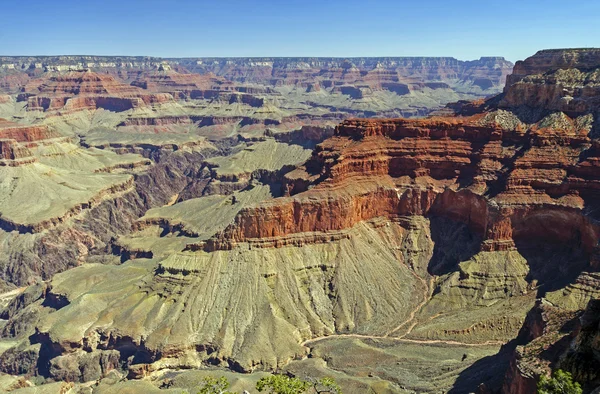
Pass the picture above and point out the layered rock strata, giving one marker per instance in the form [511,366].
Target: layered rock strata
[16,139]
[500,182]
[434,231]
[27,134]
[183,86]
[394,74]
[78,90]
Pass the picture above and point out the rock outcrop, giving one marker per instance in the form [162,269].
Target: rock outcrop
[12,153]
[551,60]
[545,335]
[498,181]
[391,73]
[396,74]
[183,86]
[16,139]
[77,90]
[554,80]
[582,359]
[27,134]
[553,338]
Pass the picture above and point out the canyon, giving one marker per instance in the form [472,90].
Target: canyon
[399,224]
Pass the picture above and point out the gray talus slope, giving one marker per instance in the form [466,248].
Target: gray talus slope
[245,308]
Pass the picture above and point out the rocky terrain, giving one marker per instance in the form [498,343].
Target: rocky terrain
[168,219]
[357,86]
[78,132]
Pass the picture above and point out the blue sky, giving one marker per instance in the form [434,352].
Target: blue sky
[464,29]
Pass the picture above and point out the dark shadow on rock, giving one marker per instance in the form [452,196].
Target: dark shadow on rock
[591,209]
[527,114]
[48,350]
[499,185]
[555,350]
[468,173]
[553,265]
[489,370]
[307,137]
[595,131]
[453,242]
[273,179]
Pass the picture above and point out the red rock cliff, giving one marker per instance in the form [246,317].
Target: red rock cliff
[78,90]
[505,177]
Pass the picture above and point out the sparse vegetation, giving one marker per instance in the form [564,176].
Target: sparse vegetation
[326,385]
[281,384]
[276,384]
[213,385]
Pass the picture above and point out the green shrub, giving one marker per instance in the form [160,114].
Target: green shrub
[215,386]
[275,384]
[281,384]
[561,382]
[326,385]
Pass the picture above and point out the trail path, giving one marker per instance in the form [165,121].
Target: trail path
[5,298]
[426,297]
[396,339]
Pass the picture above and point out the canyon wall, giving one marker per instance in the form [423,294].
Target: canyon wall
[435,232]
[487,73]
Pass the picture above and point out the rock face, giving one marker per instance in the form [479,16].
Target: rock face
[11,152]
[553,338]
[583,358]
[13,81]
[550,81]
[379,73]
[499,182]
[551,60]
[395,74]
[183,86]
[28,134]
[16,139]
[545,335]
[78,90]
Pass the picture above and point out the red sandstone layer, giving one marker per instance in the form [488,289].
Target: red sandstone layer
[25,133]
[504,184]
[86,90]
[13,154]
[182,86]
[13,81]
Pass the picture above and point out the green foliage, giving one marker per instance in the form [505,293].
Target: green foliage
[327,385]
[561,382]
[275,384]
[281,384]
[215,386]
